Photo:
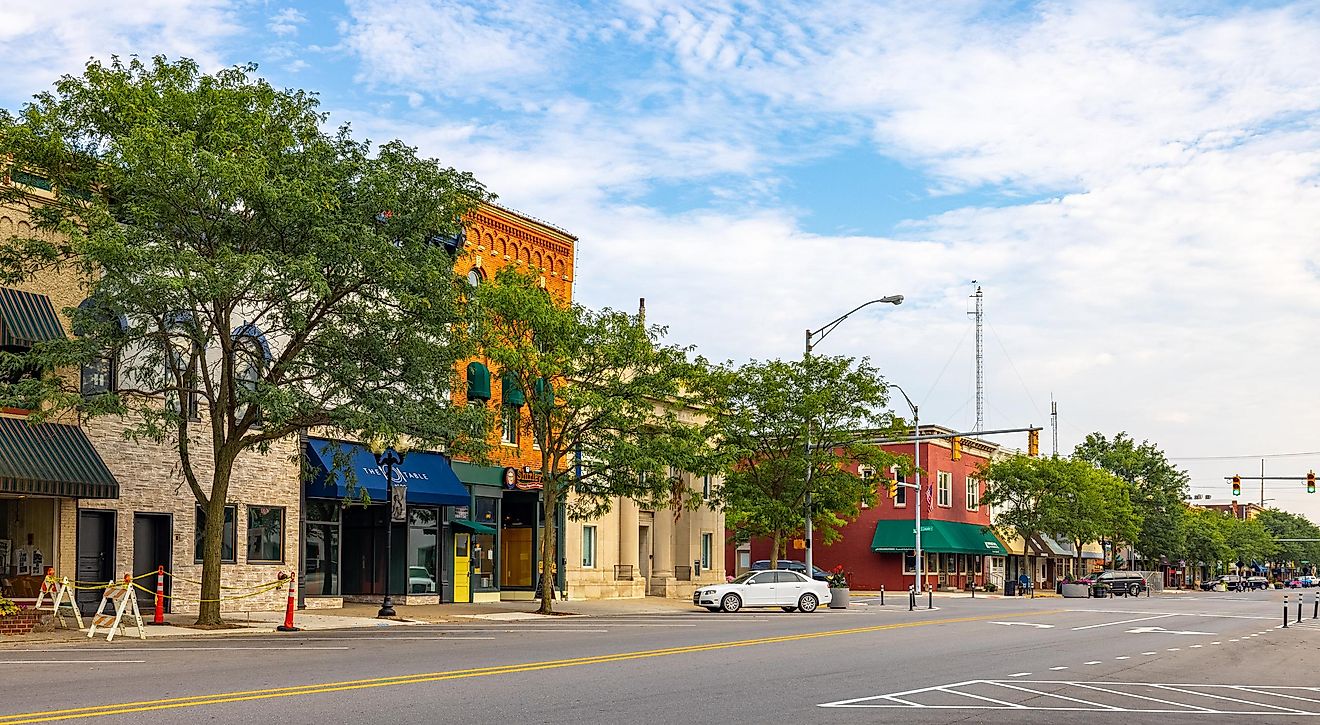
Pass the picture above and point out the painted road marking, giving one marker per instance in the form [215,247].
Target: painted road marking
[1020,674]
[1147,653]
[1061,667]
[167,648]
[1092,662]
[1125,697]
[1161,630]
[73,662]
[1125,621]
[1177,614]
[426,677]
[1124,657]
[1025,624]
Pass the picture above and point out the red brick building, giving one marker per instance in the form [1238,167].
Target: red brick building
[877,548]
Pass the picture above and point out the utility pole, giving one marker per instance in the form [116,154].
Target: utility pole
[1262,483]
[980,361]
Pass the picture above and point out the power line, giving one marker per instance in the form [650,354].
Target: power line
[1249,455]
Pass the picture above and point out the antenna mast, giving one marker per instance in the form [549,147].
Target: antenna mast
[980,362]
[1054,423]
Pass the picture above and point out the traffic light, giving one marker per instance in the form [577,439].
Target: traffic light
[957,448]
[1033,443]
[893,489]
[1237,486]
[1310,482]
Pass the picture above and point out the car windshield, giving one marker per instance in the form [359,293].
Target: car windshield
[742,579]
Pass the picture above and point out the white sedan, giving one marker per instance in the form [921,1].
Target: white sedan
[779,588]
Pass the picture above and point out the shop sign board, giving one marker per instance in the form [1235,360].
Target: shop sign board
[522,479]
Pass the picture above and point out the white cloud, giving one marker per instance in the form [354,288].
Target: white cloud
[39,42]
[286,21]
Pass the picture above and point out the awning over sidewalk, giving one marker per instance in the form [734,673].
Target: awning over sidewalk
[1044,545]
[26,319]
[51,459]
[945,537]
[474,526]
[429,478]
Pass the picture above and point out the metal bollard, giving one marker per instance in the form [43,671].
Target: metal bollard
[1315,614]
[930,597]
[1299,607]
[1285,609]
[912,599]
[882,595]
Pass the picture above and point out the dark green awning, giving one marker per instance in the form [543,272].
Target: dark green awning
[27,318]
[945,537]
[474,526]
[545,391]
[478,381]
[510,392]
[50,459]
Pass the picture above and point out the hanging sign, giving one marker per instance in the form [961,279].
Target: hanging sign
[522,479]
[399,502]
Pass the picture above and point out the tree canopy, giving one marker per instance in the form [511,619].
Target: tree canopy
[251,275]
[764,432]
[1157,489]
[613,410]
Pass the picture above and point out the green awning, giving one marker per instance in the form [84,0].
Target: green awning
[27,318]
[945,537]
[50,459]
[510,392]
[545,391]
[478,379]
[474,527]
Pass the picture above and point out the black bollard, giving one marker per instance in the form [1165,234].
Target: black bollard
[930,597]
[1299,607]
[1315,614]
[1285,610]
[912,600]
[882,595]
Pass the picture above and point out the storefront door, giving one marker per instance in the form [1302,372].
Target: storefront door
[462,568]
[151,550]
[96,554]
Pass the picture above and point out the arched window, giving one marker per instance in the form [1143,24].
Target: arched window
[101,374]
[475,277]
[251,358]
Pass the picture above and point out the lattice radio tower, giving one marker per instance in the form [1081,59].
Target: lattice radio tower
[980,361]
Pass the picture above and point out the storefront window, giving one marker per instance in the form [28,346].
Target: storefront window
[484,554]
[265,534]
[27,535]
[321,548]
[423,551]
[227,553]
[518,534]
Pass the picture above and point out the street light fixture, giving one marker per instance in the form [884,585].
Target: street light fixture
[389,455]
[813,338]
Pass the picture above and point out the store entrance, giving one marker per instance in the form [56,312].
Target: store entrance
[518,541]
[151,550]
[96,554]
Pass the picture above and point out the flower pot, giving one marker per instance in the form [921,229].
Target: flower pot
[838,597]
[1075,591]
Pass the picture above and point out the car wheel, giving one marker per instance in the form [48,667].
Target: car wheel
[808,603]
[1134,589]
[731,603]
[789,609]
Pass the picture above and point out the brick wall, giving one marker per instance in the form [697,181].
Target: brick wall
[21,623]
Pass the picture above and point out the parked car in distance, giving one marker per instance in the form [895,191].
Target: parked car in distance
[1117,583]
[1231,582]
[817,573]
[788,590]
[1258,582]
[1303,581]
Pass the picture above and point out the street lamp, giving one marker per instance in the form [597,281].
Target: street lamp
[389,455]
[812,339]
[916,505]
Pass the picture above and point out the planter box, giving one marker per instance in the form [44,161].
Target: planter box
[1075,591]
[839,598]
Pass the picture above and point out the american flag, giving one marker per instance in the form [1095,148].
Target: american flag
[930,492]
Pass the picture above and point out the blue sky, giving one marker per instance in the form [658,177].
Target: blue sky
[1134,183]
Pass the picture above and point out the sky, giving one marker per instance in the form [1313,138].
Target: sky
[1135,186]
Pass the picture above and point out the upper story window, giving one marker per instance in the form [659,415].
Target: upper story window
[973,494]
[101,374]
[944,488]
[251,357]
[867,474]
[474,277]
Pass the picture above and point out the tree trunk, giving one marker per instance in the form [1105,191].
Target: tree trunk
[550,493]
[774,550]
[208,611]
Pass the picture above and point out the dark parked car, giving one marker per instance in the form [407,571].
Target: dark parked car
[817,573]
[1231,582]
[1117,583]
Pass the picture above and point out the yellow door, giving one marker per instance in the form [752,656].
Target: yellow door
[462,568]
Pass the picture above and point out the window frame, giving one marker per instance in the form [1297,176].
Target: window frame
[944,489]
[588,546]
[510,425]
[866,473]
[284,519]
[198,532]
[707,549]
[973,494]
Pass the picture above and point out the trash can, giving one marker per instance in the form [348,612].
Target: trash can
[1010,588]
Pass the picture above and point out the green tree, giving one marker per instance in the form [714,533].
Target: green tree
[1249,541]
[1157,490]
[1206,541]
[613,410]
[203,208]
[763,431]
[1287,525]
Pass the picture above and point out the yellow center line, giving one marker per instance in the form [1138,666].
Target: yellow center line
[413,679]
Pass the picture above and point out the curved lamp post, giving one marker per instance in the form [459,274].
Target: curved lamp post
[389,455]
[916,505]
[813,338]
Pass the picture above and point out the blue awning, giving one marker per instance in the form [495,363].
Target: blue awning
[428,476]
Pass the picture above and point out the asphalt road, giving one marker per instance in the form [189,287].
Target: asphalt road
[1172,659]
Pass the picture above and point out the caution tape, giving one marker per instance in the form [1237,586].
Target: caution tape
[267,588]
[222,586]
[90,586]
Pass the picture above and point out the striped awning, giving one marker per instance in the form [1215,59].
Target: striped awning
[51,459]
[27,318]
